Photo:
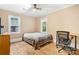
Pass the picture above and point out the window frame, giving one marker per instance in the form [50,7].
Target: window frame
[19,23]
[43,20]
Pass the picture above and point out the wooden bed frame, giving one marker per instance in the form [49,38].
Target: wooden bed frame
[38,44]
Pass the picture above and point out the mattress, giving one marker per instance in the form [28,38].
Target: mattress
[35,36]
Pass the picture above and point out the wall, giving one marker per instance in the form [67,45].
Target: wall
[38,24]
[27,23]
[66,19]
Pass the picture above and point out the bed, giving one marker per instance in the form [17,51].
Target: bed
[37,39]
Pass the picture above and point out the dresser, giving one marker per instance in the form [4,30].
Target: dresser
[4,44]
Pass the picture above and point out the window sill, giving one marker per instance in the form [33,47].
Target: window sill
[14,32]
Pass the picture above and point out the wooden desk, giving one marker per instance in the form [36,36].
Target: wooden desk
[4,44]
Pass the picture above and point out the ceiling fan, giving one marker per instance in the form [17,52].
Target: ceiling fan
[36,8]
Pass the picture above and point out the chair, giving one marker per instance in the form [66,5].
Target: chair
[63,40]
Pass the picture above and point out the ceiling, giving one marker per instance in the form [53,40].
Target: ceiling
[46,9]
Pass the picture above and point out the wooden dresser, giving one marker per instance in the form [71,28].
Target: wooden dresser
[4,44]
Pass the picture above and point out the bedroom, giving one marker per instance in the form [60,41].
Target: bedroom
[56,17]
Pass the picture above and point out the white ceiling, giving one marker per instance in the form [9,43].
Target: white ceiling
[46,9]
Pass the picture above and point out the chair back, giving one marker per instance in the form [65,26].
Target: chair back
[63,36]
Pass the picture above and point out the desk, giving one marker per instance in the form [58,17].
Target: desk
[75,37]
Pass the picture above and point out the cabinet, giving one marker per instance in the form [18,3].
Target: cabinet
[4,44]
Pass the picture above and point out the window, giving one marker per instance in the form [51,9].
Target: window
[14,24]
[44,25]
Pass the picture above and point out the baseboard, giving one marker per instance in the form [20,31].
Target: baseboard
[15,40]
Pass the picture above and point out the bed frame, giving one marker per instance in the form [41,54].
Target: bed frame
[38,44]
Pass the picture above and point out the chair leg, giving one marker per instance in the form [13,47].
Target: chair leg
[61,49]
[74,52]
[56,46]
[69,53]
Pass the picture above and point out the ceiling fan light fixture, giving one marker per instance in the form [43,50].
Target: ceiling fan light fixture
[35,8]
